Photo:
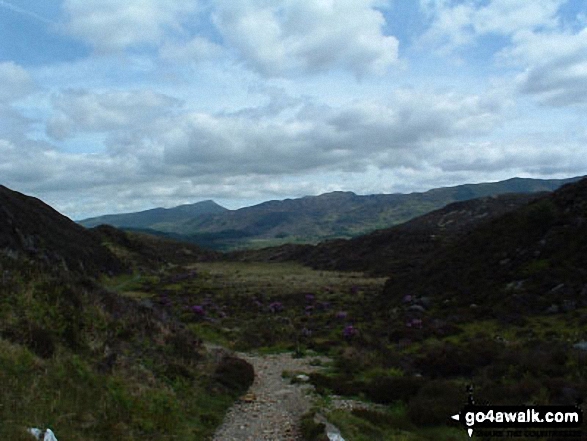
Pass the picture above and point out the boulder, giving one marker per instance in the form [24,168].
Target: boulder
[235,374]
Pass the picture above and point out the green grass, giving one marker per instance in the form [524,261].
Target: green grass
[211,334]
[562,327]
[69,396]
[391,425]
[157,389]
[279,278]
[55,335]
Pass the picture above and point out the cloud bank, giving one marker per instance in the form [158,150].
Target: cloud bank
[246,100]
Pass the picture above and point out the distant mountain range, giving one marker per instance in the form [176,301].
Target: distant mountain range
[507,255]
[309,219]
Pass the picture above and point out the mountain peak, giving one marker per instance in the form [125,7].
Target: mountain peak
[337,194]
[156,216]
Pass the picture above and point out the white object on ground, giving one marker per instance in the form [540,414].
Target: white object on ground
[332,436]
[332,431]
[38,433]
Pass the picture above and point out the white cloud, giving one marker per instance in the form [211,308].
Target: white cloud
[15,82]
[283,37]
[457,24]
[506,17]
[151,144]
[16,85]
[316,137]
[552,56]
[82,111]
[549,156]
[277,38]
[112,25]
[555,66]
[196,49]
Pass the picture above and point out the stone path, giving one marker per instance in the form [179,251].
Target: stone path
[272,408]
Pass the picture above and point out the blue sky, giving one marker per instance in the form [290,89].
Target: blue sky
[109,106]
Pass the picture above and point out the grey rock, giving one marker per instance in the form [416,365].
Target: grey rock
[417,308]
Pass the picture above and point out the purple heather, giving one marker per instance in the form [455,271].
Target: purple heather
[198,309]
[349,332]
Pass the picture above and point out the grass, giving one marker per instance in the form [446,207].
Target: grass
[391,425]
[159,388]
[280,278]
[493,354]
[568,327]
[69,396]
[93,365]
[234,300]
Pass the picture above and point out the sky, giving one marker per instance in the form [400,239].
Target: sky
[110,106]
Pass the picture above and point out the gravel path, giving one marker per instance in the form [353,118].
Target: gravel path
[272,408]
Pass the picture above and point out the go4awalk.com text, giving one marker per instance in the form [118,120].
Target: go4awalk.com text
[517,421]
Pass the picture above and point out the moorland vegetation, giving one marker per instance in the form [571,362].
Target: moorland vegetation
[492,295]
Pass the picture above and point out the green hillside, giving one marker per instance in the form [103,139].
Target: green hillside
[80,355]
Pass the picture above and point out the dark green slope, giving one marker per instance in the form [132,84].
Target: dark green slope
[144,251]
[30,228]
[530,260]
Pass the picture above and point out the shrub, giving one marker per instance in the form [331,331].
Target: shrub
[311,430]
[386,390]
[338,385]
[435,403]
[451,360]
[41,342]
[235,374]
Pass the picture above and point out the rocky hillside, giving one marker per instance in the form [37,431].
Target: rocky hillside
[531,260]
[30,228]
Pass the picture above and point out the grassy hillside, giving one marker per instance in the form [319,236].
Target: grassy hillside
[93,363]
